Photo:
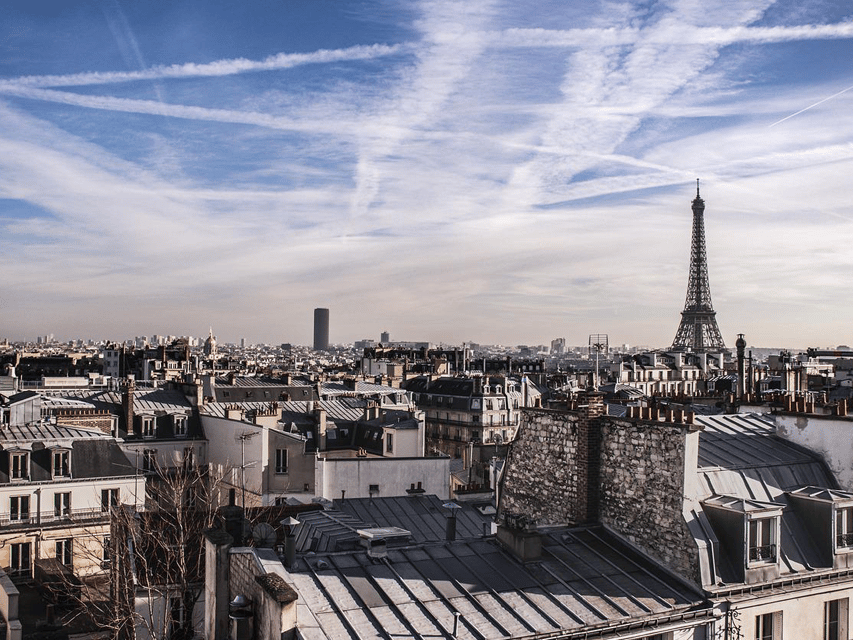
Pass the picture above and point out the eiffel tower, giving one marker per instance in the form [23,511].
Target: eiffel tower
[698,331]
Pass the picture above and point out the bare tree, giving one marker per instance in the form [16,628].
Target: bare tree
[154,557]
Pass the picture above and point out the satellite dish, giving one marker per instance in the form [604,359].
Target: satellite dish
[264,535]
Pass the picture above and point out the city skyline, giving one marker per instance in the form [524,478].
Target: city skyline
[501,172]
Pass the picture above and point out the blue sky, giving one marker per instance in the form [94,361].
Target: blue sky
[489,171]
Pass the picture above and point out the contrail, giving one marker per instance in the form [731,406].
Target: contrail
[811,106]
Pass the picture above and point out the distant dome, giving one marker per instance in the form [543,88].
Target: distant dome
[210,344]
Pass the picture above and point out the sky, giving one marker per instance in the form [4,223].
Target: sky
[495,171]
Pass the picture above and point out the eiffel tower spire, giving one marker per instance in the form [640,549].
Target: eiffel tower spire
[698,330]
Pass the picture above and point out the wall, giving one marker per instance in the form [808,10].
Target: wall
[802,611]
[540,476]
[274,615]
[300,468]
[828,436]
[642,490]
[568,468]
[393,475]
[224,456]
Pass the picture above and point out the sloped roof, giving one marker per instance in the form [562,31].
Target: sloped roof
[423,515]
[585,579]
[745,466]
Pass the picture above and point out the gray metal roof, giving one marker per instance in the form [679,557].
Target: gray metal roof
[144,399]
[585,578]
[296,410]
[424,516]
[46,432]
[743,464]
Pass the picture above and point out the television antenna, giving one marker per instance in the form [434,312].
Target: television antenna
[598,342]
[241,438]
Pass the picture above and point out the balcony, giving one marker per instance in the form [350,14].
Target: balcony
[50,518]
[765,553]
[844,540]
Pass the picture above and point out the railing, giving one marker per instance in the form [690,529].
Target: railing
[763,553]
[72,516]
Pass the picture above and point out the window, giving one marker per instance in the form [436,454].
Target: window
[63,551]
[835,620]
[189,456]
[147,426]
[768,626]
[762,540]
[281,460]
[176,616]
[373,490]
[107,550]
[149,460]
[19,508]
[180,423]
[20,558]
[19,468]
[61,466]
[62,504]
[844,527]
[109,499]
[389,443]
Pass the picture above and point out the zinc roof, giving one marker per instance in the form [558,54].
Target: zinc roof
[585,579]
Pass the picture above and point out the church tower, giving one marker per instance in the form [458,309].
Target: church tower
[698,331]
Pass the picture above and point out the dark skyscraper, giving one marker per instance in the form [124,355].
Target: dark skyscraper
[321,329]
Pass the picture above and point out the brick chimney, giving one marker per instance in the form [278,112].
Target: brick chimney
[590,408]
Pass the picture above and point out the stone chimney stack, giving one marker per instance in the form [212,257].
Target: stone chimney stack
[216,579]
[320,416]
[590,408]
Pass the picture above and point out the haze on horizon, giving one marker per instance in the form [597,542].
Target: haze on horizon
[449,171]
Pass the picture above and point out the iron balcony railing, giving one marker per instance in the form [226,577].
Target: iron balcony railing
[69,516]
[765,552]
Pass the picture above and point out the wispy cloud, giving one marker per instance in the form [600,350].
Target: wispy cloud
[218,68]
[529,182]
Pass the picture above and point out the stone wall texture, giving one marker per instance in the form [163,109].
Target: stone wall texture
[540,480]
[641,490]
[570,468]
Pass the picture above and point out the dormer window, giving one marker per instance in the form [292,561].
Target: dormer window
[751,530]
[19,465]
[147,426]
[828,516]
[844,528]
[61,464]
[762,540]
[180,425]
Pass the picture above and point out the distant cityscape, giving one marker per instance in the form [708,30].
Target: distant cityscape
[184,487]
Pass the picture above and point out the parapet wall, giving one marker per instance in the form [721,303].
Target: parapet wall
[641,490]
[540,479]
[570,468]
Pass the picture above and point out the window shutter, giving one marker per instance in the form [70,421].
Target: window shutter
[777,625]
